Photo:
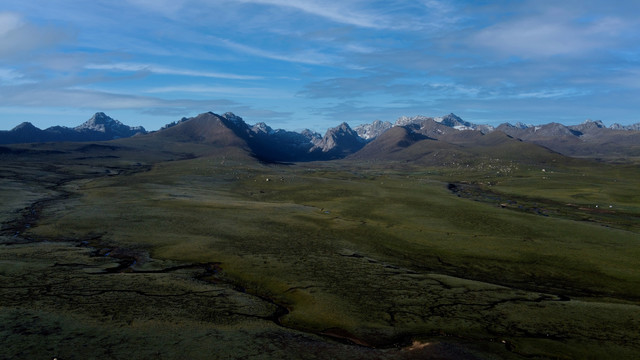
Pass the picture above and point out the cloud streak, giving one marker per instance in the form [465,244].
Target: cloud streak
[36,96]
[310,56]
[158,69]
[330,10]
[244,92]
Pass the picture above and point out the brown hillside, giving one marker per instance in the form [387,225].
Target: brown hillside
[205,128]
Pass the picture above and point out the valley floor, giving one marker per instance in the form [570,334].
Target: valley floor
[120,253]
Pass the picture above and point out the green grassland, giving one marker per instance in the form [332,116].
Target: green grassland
[199,254]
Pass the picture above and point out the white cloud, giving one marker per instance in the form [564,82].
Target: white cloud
[158,69]
[8,22]
[548,35]
[19,37]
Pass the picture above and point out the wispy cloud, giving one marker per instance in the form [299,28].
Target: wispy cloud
[246,92]
[375,15]
[550,94]
[91,99]
[158,69]
[377,82]
[12,77]
[335,11]
[165,7]
[311,56]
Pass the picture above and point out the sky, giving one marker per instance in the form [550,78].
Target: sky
[314,64]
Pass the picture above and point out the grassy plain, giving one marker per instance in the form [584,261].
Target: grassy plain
[211,255]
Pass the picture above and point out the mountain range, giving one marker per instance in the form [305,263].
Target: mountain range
[408,137]
[99,128]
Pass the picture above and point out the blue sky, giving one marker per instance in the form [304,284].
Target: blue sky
[313,64]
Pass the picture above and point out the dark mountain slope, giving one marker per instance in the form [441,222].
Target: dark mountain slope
[399,144]
[206,128]
[430,128]
[23,133]
[204,135]
[499,145]
[590,139]
[386,145]
[270,145]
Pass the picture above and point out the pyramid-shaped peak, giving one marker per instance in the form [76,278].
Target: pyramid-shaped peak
[99,122]
[342,130]
[340,139]
[100,115]
[452,116]
[454,121]
[25,126]
[102,118]
[344,127]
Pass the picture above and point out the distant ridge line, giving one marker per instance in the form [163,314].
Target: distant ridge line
[588,139]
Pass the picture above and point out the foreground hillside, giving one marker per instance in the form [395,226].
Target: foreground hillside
[182,244]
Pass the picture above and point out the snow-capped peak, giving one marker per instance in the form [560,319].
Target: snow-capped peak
[262,127]
[233,118]
[102,123]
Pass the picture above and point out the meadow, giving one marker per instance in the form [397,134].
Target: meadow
[116,252]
